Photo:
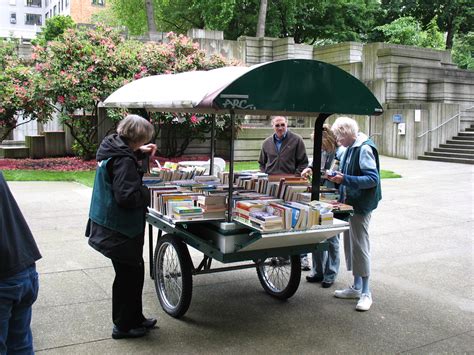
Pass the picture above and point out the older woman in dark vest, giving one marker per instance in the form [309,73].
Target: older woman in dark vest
[359,181]
[117,220]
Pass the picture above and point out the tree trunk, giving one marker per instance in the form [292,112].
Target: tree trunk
[262,16]
[449,37]
[150,16]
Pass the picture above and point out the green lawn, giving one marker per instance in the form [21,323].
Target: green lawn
[87,177]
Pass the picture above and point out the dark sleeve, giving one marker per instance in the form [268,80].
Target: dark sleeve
[129,192]
[301,158]
[262,159]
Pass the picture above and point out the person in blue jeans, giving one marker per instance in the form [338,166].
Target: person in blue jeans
[325,264]
[18,276]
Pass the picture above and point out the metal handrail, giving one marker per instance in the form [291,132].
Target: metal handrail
[442,124]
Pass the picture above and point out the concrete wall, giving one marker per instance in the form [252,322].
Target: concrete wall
[403,78]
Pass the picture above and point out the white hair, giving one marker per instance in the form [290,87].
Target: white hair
[135,129]
[344,127]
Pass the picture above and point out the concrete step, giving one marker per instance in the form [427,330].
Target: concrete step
[446,159]
[460,142]
[450,149]
[450,155]
[14,152]
[464,138]
[469,129]
[457,146]
[10,143]
[466,134]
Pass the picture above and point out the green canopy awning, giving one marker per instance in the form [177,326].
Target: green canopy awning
[287,87]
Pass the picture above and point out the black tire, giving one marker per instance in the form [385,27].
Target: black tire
[280,276]
[173,275]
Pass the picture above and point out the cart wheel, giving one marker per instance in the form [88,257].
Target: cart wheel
[173,277]
[280,276]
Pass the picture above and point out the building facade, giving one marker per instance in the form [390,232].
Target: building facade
[24,18]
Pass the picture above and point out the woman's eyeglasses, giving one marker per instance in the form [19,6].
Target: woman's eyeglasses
[278,125]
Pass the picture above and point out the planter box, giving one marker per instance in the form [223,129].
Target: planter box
[55,144]
[36,145]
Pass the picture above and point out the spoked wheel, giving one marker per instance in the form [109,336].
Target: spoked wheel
[280,276]
[173,275]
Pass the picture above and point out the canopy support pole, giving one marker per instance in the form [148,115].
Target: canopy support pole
[231,167]
[317,147]
[213,144]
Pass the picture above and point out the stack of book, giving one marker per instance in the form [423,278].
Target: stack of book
[266,221]
[187,213]
[213,206]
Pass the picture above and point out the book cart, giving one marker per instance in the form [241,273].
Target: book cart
[295,87]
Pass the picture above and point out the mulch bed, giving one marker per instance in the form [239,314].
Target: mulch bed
[73,163]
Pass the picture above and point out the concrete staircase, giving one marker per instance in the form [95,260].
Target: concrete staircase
[459,149]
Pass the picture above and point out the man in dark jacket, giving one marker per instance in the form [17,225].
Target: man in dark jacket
[283,152]
[117,220]
[18,277]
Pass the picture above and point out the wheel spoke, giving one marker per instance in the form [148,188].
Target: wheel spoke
[170,275]
[276,273]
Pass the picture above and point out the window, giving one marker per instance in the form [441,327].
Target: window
[98,2]
[12,2]
[54,10]
[50,13]
[59,7]
[46,3]
[33,19]
[62,5]
[13,18]
[46,16]
[67,3]
[33,3]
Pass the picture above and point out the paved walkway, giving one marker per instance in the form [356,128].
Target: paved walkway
[422,282]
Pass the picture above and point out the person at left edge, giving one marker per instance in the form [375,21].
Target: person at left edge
[18,277]
[116,223]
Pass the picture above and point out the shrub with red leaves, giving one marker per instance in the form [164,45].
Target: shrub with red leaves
[57,164]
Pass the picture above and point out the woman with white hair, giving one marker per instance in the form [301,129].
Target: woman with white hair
[117,220]
[359,180]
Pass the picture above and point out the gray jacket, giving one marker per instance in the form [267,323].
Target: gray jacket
[291,159]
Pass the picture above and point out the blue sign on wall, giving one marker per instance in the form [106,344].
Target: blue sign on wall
[397,118]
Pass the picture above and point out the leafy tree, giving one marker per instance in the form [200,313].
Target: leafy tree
[54,27]
[408,31]
[21,91]
[306,20]
[84,66]
[452,16]
[463,51]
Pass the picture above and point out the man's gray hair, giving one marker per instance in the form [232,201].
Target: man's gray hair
[273,118]
[135,129]
[345,126]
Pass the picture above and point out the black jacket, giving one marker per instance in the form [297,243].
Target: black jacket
[18,249]
[129,192]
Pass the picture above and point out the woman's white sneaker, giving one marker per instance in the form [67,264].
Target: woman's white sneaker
[365,302]
[350,292]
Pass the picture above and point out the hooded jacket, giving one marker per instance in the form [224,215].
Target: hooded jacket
[18,249]
[119,200]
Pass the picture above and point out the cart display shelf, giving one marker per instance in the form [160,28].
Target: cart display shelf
[292,87]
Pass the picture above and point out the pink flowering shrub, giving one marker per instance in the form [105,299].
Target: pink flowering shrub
[57,164]
[21,91]
[84,66]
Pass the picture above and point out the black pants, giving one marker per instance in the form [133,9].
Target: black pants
[127,290]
